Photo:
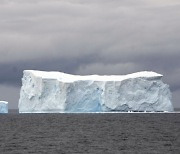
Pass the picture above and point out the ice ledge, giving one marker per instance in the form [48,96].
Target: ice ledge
[71,78]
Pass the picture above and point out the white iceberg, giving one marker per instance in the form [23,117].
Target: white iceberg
[3,107]
[56,92]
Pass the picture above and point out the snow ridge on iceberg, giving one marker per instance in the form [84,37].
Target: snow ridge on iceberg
[56,92]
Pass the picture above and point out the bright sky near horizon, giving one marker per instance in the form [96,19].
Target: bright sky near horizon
[88,37]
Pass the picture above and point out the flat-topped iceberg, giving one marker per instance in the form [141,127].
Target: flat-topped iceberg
[56,92]
[3,107]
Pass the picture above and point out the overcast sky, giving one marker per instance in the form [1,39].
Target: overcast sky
[88,37]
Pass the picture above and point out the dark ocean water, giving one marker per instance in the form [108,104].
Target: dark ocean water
[139,133]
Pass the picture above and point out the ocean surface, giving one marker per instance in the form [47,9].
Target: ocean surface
[136,133]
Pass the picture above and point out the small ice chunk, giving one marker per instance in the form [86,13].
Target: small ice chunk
[3,107]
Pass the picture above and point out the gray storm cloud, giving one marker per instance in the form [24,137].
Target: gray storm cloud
[88,36]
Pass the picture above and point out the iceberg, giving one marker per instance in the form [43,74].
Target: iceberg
[3,107]
[57,92]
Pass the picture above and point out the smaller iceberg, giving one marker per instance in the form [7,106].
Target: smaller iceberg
[3,107]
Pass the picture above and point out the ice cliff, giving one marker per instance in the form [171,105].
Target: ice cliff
[55,92]
[3,107]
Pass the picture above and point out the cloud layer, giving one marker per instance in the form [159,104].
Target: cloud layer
[87,37]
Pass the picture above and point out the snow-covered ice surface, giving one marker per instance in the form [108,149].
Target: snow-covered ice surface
[56,92]
[3,107]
